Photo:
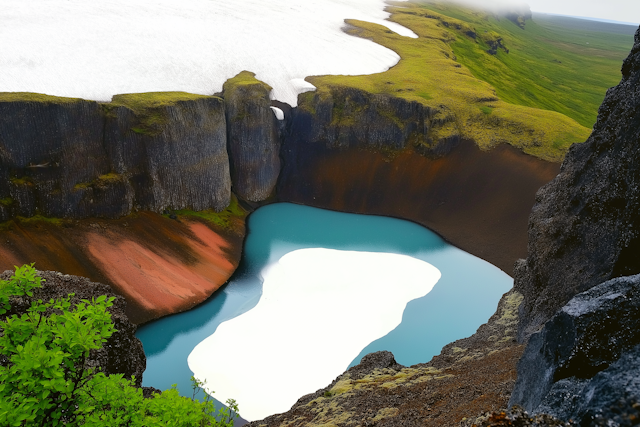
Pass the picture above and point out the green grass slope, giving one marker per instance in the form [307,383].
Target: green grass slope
[537,92]
[556,63]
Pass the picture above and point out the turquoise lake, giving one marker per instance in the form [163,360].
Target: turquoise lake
[464,298]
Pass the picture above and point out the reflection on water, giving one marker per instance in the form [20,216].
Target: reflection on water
[464,298]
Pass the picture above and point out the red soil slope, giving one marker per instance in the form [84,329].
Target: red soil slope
[161,266]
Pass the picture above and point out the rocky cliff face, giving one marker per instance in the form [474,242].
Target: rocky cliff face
[122,353]
[254,139]
[64,157]
[585,226]
[352,151]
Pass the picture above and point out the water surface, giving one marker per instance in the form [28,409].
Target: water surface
[465,296]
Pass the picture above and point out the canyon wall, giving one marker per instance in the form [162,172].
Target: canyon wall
[344,149]
[70,158]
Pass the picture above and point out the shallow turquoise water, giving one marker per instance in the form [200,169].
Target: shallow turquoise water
[464,298]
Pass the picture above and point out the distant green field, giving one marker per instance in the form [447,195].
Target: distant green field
[556,63]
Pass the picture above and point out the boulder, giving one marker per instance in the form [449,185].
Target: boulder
[575,366]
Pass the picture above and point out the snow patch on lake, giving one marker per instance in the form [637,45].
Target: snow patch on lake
[318,310]
[96,49]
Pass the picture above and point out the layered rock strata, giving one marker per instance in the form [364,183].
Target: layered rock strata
[253,137]
[585,227]
[122,353]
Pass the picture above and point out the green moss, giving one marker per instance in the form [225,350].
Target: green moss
[150,108]
[35,98]
[224,219]
[244,78]
[7,201]
[25,180]
[142,102]
[485,109]
[101,181]
[39,219]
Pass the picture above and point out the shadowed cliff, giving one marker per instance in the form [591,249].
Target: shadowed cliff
[71,158]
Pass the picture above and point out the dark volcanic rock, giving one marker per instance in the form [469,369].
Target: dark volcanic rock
[610,398]
[47,146]
[585,226]
[122,353]
[254,140]
[72,158]
[170,155]
[586,336]
[350,118]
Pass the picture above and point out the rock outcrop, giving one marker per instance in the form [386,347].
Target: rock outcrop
[71,158]
[122,353]
[254,139]
[586,359]
[585,226]
[375,154]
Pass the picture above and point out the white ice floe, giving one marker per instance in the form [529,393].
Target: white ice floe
[95,49]
[318,310]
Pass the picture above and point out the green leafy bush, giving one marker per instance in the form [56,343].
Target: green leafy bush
[45,379]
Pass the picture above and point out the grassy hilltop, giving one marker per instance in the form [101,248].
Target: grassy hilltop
[492,81]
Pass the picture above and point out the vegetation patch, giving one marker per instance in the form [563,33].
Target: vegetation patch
[25,180]
[7,201]
[101,181]
[45,378]
[39,219]
[548,65]
[35,98]
[224,219]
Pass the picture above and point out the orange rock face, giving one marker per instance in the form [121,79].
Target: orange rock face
[162,266]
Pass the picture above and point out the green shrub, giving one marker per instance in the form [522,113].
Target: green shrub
[45,379]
